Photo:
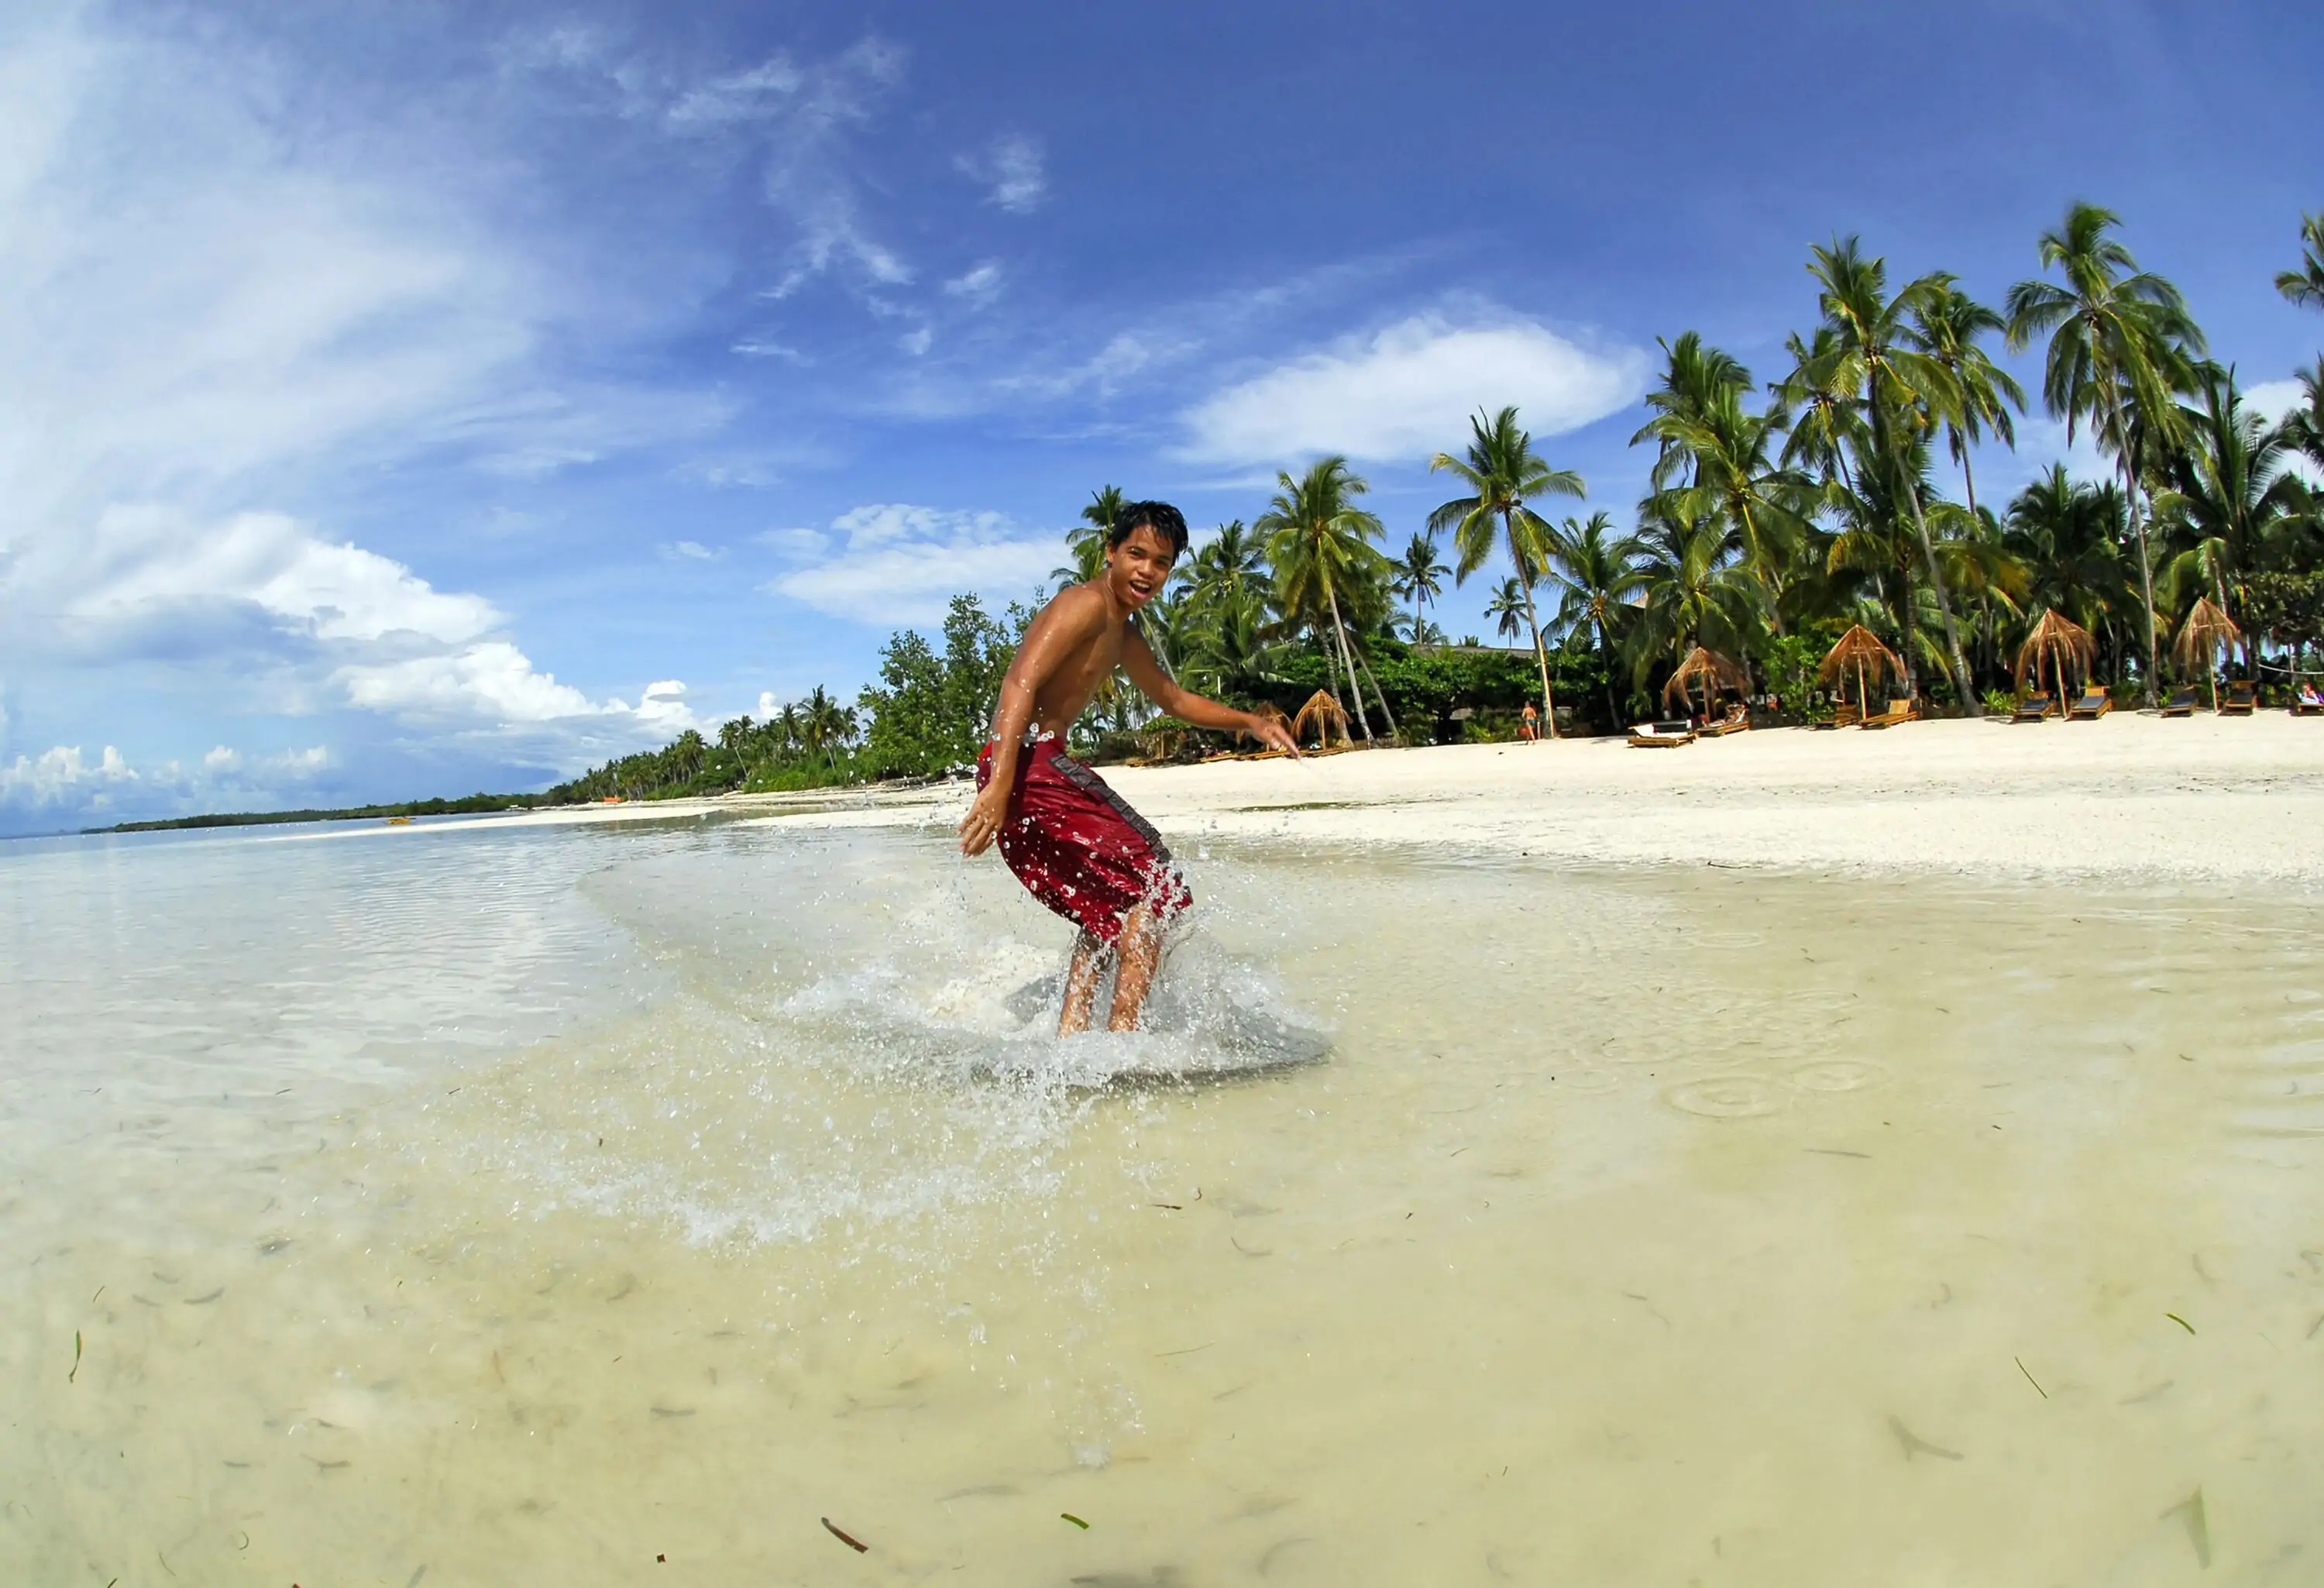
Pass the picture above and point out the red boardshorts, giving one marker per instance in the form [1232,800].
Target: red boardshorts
[1078,847]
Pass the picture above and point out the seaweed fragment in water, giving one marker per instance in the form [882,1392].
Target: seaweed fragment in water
[2198,1526]
[849,1540]
[1915,1446]
[75,1367]
[1076,1521]
[2030,1378]
[2182,1322]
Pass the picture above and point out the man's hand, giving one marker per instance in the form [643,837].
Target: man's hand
[981,824]
[1271,733]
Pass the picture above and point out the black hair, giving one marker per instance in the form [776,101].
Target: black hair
[1163,519]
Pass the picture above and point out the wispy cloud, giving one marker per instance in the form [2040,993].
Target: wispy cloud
[1407,392]
[1011,169]
[899,563]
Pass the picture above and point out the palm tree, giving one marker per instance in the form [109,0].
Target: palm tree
[1507,607]
[2120,345]
[1830,417]
[1904,390]
[1501,471]
[1718,455]
[1420,577]
[1694,588]
[824,724]
[1232,649]
[1599,577]
[1228,565]
[2228,494]
[1949,326]
[1320,543]
[2306,284]
[1088,540]
[2068,535]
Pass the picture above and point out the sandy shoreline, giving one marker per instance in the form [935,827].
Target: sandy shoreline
[2215,799]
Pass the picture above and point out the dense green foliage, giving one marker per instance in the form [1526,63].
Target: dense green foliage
[466,805]
[1777,514]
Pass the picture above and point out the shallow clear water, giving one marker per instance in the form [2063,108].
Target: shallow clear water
[591,1206]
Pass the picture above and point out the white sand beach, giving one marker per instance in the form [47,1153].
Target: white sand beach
[2129,796]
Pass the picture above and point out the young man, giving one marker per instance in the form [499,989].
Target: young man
[1069,839]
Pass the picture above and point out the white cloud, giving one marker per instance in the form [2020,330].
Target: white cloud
[492,680]
[2272,400]
[1011,168]
[979,286]
[62,781]
[901,564]
[797,542]
[1408,391]
[690,551]
[917,343]
[139,560]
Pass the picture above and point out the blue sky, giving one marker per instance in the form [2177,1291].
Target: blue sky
[407,398]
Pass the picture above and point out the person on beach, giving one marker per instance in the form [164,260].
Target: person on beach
[1073,843]
[1532,726]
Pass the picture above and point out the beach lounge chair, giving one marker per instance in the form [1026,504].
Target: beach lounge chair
[2183,701]
[2241,699]
[1845,717]
[1899,711]
[1661,735]
[2093,703]
[1737,718]
[2040,704]
[2306,702]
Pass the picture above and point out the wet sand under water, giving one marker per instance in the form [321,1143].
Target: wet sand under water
[1672,1226]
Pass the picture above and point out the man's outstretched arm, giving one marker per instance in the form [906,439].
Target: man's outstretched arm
[1137,660]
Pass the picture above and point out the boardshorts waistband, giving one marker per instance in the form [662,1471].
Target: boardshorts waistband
[1078,847]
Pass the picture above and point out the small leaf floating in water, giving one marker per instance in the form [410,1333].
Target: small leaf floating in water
[1076,1521]
[2182,1322]
[857,1545]
[2198,1526]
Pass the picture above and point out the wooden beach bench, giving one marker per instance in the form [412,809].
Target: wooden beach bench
[2094,703]
[1661,735]
[1845,717]
[2035,706]
[1899,711]
[1738,719]
[2183,701]
[2242,699]
[2305,708]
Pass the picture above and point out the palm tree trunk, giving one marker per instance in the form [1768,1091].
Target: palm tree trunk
[1347,660]
[1393,732]
[1330,669]
[2145,573]
[1970,705]
[1605,660]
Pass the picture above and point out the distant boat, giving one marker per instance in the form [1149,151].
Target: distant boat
[398,821]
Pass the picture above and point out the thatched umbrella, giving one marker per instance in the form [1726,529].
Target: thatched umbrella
[1857,649]
[2061,641]
[2207,629]
[1327,714]
[1716,671]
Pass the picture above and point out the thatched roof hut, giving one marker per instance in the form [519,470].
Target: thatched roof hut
[2207,629]
[1713,671]
[1858,653]
[1329,716]
[2062,642]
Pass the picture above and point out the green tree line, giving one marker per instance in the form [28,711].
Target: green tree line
[1778,512]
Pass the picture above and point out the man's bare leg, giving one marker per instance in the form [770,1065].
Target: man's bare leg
[1140,954]
[1080,984]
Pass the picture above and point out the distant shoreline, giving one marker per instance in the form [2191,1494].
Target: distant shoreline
[466,805]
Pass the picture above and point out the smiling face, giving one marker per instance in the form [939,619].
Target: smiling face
[1136,569]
